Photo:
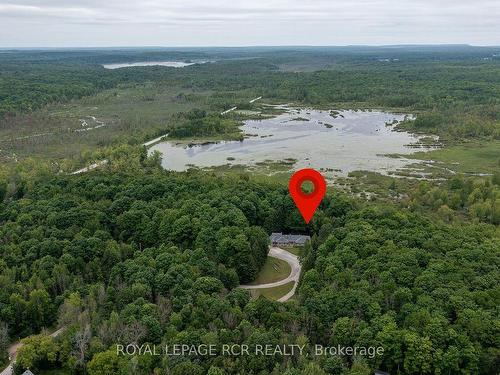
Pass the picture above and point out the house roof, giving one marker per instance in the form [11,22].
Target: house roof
[297,239]
[28,372]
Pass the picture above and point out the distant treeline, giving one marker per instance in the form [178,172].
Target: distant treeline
[458,89]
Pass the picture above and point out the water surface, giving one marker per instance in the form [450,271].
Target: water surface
[173,64]
[353,140]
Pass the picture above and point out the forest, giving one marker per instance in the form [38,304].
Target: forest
[456,90]
[149,256]
[130,253]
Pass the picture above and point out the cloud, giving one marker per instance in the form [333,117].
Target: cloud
[196,22]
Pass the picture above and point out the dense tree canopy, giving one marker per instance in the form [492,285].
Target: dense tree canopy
[134,255]
[156,257]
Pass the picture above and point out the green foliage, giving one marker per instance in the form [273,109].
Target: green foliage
[154,257]
[399,280]
[3,190]
[453,93]
[428,121]
[477,198]
[29,86]
[4,343]
[137,255]
[106,363]
[38,352]
[197,123]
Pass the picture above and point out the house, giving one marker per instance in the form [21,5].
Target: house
[280,239]
[28,372]
[378,372]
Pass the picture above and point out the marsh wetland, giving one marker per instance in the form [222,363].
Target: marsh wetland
[335,142]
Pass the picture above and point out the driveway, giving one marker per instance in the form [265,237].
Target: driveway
[294,263]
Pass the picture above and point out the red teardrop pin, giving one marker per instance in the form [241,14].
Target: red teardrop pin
[307,203]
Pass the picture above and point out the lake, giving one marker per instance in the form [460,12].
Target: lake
[351,141]
[173,64]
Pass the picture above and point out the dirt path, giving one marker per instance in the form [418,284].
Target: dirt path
[14,349]
[156,140]
[105,161]
[90,167]
[294,263]
[146,144]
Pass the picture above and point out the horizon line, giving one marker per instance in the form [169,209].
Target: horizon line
[261,46]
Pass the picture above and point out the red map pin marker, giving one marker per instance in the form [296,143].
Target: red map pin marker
[307,203]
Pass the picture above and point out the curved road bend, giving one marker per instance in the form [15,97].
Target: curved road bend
[293,261]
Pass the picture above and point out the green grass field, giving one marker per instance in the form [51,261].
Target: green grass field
[273,270]
[273,293]
[295,250]
[470,157]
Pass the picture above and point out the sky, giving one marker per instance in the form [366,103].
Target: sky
[176,23]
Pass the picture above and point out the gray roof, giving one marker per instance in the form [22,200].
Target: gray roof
[28,372]
[292,239]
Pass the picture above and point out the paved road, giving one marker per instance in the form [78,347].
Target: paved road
[14,349]
[293,261]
